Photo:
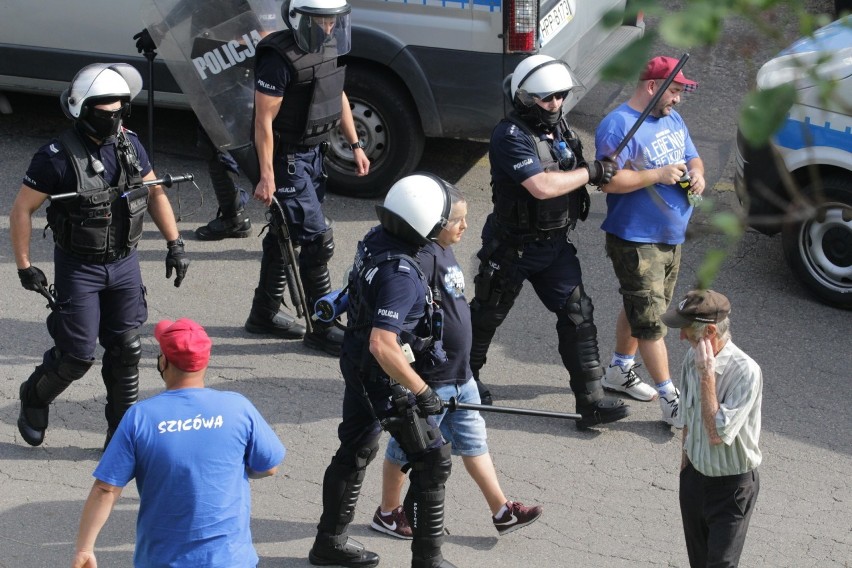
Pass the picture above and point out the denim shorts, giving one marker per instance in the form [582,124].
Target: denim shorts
[463,429]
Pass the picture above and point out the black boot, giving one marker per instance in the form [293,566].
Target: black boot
[332,550]
[236,227]
[231,220]
[324,337]
[265,317]
[484,394]
[47,382]
[595,408]
[33,418]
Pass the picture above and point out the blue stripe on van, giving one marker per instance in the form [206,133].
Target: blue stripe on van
[796,135]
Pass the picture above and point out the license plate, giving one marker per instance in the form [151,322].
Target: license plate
[552,23]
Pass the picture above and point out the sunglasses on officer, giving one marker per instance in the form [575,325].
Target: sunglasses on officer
[549,98]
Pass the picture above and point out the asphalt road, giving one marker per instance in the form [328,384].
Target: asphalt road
[610,495]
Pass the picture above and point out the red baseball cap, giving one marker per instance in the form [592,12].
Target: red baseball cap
[184,343]
[661,67]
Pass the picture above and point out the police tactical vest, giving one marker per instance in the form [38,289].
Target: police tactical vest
[360,311]
[516,208]
[312,101]
[101,223]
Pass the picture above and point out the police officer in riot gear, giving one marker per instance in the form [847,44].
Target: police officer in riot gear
[299,98]
[99,293]
[393,332]
[538,179]
[232,220]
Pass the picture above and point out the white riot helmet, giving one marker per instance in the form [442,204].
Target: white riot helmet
[317,24]
[417,207]
[538,77]
[99,83]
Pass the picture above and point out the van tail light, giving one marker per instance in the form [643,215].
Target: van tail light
[521,26]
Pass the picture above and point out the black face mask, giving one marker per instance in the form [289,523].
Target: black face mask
[104,123]
[541,118]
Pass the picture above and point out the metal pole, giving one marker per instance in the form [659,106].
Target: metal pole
[453,405]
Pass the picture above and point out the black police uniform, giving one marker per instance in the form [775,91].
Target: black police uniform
[312,87]
[386,291]
[525,238]
[98,282]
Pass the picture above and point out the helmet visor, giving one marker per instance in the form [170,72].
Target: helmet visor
[317,33]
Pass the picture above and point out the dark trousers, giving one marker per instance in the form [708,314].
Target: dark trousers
[99,301]
[715,513]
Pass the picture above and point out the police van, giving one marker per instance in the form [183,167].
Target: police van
[417,68]
[801,183]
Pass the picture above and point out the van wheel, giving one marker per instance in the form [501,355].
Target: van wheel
[388,125]
[819,248]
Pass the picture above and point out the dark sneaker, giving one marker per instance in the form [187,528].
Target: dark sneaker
[32,420]
[605,410]
[329,550]
[238,227]
[484,394]
[516,516]
[394,524]
[282,325]
[329,339]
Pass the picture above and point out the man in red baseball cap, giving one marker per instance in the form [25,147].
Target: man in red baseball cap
[192,451]
[648,208]
[661,67]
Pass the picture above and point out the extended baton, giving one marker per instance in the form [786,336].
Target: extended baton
[453,405]
[654,100]
[167,180]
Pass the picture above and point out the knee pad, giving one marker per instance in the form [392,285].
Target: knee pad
[365,454]
[127,351]
[432,470]
[56,373]
[317,252]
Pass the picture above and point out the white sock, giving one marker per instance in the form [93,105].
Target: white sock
[666,388]
[502,510]
[623,361]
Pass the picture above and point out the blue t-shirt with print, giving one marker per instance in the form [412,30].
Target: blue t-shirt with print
[656,214]
[188,450]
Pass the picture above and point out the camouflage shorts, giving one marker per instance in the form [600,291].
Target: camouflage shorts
[647,273]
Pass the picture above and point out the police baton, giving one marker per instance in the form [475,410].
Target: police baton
[167,180]
[294,280]
[654,100]
[49,295]
[452,405]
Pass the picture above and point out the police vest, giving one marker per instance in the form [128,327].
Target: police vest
[102,223]
[312,102]
[425,336]
[519,211]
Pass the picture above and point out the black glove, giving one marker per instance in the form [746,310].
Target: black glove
[429,402]
[32,278]
[144,41]
[600,171]
[176,259]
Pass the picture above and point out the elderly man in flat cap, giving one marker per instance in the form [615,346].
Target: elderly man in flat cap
[192,451]
[721,392]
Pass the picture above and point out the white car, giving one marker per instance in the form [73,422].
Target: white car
[808,199]
[431,68]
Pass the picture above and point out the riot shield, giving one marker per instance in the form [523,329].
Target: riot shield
[209,47]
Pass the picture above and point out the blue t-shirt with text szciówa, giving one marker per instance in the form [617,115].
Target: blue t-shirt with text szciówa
[656,214]
[188,450]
